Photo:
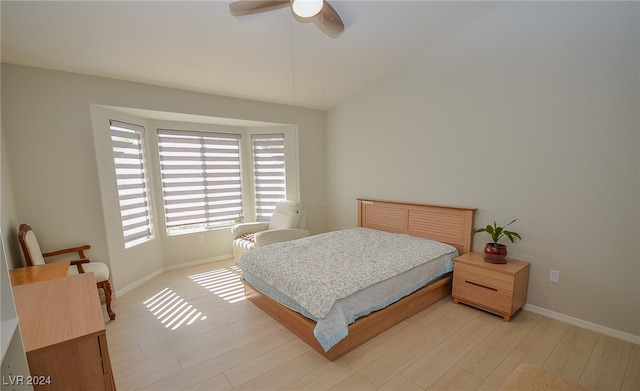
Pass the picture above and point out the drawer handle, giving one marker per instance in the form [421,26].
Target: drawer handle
[480,285]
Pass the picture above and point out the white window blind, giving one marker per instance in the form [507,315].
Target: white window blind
[201,178]
[269,173]
[128,157]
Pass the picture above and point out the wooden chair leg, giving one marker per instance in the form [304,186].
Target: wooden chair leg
[106,286]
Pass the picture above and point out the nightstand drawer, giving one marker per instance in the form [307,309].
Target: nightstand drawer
[497,281]
[468,287]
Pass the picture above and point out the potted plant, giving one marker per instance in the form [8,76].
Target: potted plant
[495,252]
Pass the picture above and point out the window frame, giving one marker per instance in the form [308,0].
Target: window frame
[123,172]
[264,183]
[204,221]
[292,180]
[291,161]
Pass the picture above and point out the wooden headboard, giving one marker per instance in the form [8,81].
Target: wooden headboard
[446,224]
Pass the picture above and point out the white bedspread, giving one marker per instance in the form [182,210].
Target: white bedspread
[317,275]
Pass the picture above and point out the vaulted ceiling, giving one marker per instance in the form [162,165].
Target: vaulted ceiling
[199,46]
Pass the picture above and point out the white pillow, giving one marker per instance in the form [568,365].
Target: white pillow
[280,221]
[287,207]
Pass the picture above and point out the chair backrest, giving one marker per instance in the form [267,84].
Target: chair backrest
[30,246]
[288,214]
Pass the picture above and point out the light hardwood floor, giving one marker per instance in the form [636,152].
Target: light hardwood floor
[190,329]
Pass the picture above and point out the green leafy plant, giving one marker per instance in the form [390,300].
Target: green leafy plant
[496,232]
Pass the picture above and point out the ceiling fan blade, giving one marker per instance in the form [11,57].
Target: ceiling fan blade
[249,7]
[329,21]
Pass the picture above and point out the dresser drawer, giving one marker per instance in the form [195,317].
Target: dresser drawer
[493,290]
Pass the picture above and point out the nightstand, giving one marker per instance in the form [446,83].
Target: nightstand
[497,288]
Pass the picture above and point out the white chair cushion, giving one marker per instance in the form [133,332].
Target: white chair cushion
[281,221]
[286,215]
[34,248]
[99,270]
[243,244]
[287,207]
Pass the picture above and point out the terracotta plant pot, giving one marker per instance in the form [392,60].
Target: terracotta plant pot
[495,253]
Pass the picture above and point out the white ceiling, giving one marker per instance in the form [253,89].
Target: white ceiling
[199,46]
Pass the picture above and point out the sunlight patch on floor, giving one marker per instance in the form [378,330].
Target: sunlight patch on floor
[172,310]
[225,283]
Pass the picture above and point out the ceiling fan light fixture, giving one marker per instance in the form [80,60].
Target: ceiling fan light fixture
[306,8]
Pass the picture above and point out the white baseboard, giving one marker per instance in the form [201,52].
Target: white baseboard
[199,262]
[584,324]
[141,281]
[136,284]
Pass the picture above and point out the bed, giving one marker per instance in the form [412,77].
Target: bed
[414,285]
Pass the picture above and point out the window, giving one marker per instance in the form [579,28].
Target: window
[201,178]
[131,179]
[269,173]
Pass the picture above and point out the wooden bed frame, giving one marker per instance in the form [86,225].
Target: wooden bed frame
[443,223]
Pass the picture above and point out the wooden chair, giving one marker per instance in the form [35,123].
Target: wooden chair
[34,256]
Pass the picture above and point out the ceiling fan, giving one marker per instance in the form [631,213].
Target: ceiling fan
[319,12]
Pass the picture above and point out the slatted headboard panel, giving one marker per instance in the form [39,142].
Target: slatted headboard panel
[446,224]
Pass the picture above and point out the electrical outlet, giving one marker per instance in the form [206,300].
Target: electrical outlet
[554,276]
[200,238]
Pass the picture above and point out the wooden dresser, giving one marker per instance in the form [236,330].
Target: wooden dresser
[497,288]
[64,334]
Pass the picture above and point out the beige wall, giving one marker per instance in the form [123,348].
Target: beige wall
[546,92]
[9,218]
[53,158]
[530,113]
